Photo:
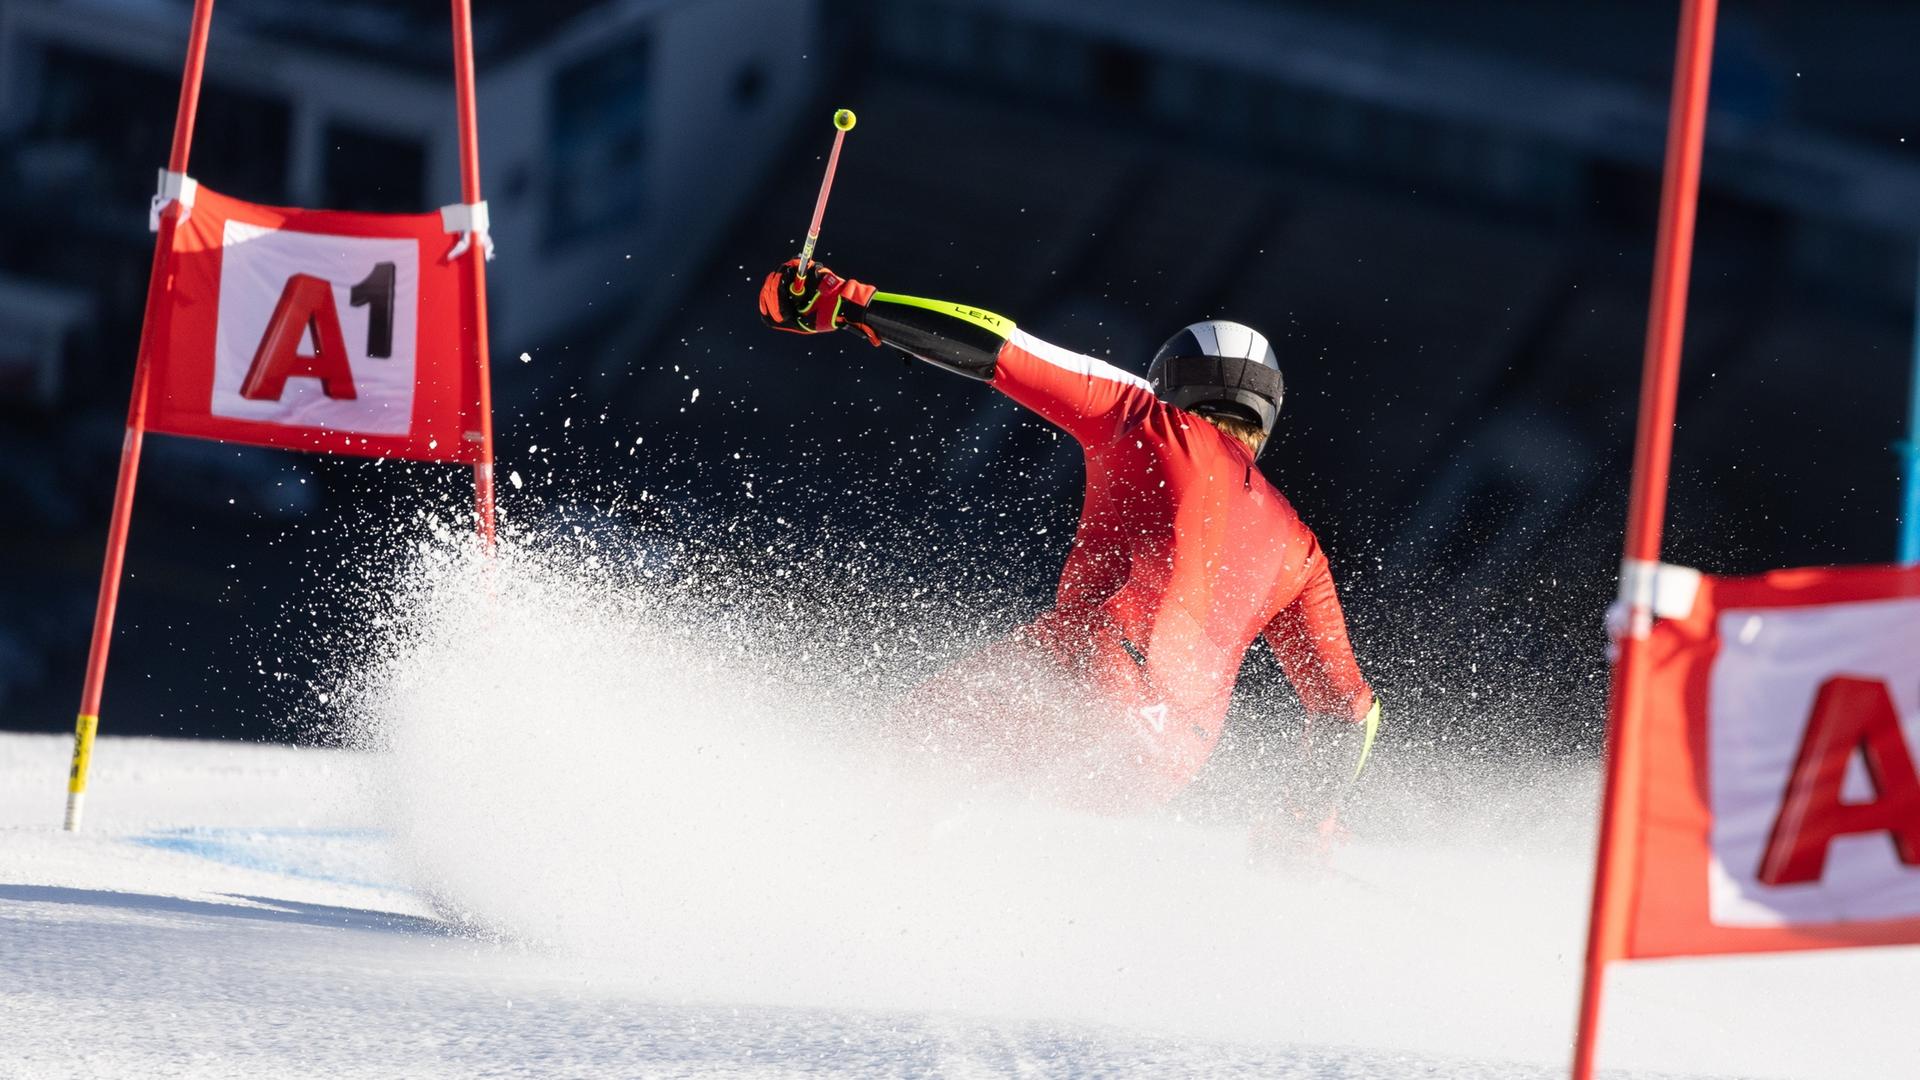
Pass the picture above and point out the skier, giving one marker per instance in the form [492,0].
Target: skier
[1184,553]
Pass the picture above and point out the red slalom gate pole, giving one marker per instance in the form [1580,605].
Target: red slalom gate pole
[1614,869]
[158,285]
[476,262]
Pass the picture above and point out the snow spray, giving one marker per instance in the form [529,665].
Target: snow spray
[592,754]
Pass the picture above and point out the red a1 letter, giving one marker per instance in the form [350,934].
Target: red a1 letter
[1850,716]
[306,304]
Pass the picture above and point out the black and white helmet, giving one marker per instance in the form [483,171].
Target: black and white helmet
[1220,367]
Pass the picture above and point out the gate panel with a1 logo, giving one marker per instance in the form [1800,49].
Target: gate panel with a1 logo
[1781,799]
[316,330]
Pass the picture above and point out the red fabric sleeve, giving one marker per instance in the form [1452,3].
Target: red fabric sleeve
[1309,637]
[1089,399]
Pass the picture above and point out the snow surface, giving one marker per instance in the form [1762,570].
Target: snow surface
[234,911]
[590,831]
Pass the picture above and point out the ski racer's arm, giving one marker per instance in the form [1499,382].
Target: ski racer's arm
[1309,638]
[1088,398]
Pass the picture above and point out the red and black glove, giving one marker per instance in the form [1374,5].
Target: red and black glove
[815,303]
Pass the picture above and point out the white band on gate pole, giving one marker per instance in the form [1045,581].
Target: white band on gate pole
[1650,590]
[469,220]
[174,187]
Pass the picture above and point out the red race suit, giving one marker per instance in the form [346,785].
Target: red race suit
[1184,553]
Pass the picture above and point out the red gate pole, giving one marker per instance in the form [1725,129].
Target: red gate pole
[476,260]
[1614,869]
[158,285]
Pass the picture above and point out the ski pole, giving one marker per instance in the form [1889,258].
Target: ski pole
[843,120]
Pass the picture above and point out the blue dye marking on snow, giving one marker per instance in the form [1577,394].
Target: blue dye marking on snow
[241,847]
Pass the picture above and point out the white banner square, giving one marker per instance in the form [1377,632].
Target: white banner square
[1771,665]
[256,265]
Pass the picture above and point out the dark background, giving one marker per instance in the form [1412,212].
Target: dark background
[1442,213]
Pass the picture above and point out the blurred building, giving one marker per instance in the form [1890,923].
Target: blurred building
[609,129]
[1442,213]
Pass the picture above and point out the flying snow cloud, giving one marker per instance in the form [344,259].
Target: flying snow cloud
[586,751]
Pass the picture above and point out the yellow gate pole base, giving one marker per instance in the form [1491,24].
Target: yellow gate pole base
[83,732]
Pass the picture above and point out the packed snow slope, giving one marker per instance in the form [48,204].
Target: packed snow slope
[585,827]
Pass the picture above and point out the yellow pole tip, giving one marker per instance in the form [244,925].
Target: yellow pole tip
[844,119]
